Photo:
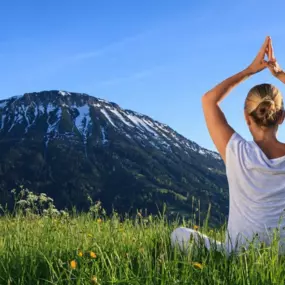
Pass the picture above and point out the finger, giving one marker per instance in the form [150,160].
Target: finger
[265,44]
[263,48]
[272,50]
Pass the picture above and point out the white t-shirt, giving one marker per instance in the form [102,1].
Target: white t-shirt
[257,193]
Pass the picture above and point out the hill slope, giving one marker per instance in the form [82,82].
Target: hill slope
[71,145]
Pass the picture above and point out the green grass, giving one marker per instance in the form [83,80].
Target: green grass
[38,250]
[40,245]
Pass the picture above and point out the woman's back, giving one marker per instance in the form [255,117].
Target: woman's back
[257,191]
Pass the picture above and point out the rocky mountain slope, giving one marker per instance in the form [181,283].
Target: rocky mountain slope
[71,145]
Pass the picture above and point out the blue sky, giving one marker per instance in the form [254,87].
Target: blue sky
[155,57]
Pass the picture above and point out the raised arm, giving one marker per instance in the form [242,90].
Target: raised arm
[273,65]
[219,129]
[281,76]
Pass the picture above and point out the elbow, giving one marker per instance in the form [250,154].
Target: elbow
[207,99]
[203,99]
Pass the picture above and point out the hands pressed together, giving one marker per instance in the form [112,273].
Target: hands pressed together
[260,62]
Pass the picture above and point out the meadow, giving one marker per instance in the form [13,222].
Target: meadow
[40,245]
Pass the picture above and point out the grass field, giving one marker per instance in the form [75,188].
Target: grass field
[92,249]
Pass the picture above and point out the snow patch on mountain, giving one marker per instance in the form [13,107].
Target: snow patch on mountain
[114,111]
[104,140]
[25,110]
[97,105]
[17,119]
[140,123]
[3,120]
[63,93]
[50,108]
[83,120]
[108,117]
[52,127]
[3,104]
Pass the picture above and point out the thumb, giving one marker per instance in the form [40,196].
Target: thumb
[265,63]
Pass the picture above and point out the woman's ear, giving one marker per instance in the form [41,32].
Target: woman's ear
[281,120]
[247,119]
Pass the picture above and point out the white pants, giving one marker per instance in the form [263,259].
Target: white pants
[190,240]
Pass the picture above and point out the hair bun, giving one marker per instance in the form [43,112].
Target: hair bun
[264,103]
[266,112]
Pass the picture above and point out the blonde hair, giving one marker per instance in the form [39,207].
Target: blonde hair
[264,103]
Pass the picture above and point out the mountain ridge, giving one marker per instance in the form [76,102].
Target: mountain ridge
[96,102]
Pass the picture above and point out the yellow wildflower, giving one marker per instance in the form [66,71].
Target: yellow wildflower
[93,254]
[196,228]
[73,264]
[80,253]
[99,221]
[197,265]
[94,280]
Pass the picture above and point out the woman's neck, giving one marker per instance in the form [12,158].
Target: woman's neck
[265,137]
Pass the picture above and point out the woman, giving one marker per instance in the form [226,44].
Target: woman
[255,170]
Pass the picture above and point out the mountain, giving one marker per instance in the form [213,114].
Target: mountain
[71,145]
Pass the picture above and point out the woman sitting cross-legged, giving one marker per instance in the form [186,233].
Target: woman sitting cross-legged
[255,170]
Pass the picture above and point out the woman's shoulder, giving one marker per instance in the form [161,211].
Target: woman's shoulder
[238,146]
[236,141]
